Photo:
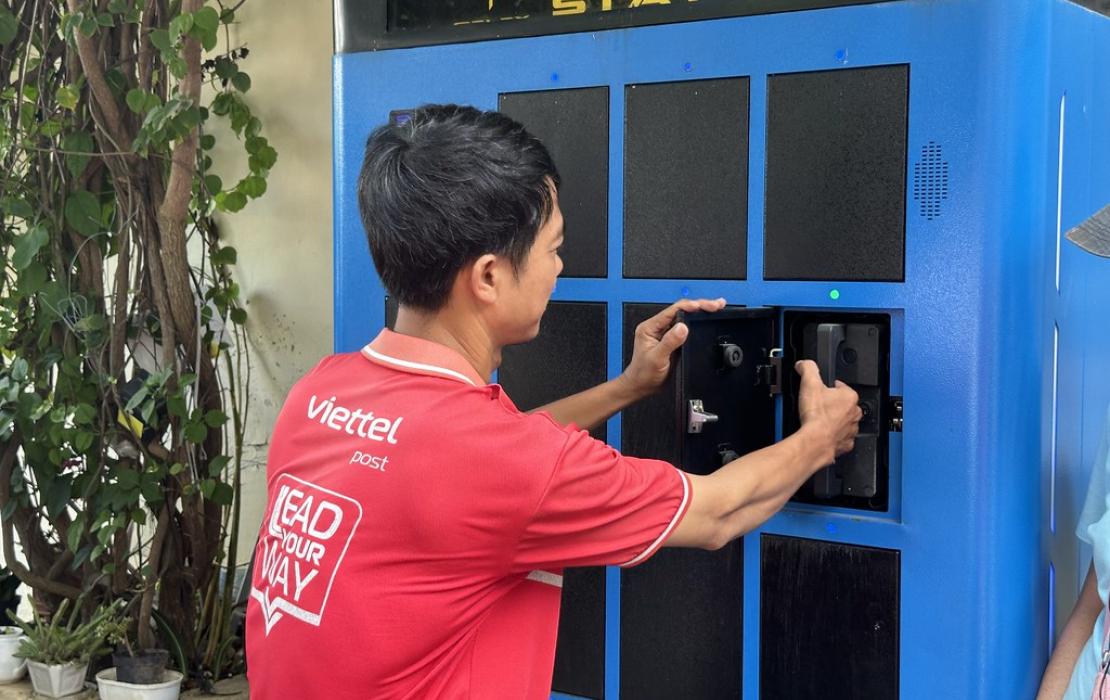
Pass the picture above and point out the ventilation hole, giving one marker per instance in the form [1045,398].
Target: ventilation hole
[930,180]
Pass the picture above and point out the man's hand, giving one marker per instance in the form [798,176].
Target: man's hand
[656,339]
[833,414]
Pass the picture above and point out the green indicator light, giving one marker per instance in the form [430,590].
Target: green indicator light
[834,294]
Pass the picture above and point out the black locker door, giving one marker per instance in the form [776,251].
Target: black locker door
[682,611]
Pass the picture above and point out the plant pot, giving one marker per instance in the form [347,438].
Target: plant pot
[12,667]
[144,668]
[57,680]
[112,689]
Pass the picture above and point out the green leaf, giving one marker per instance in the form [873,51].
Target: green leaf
[84,413]
[87,24]
[213,184]
[127,478]
[181,24]
[160,38]
[105,19]
[28,245]
[83,440]
[266,158]
[217,465]
[9,25]
[119,6]
[214,419]
[137,398]
[176,468]
[222,494]
[76,533]
[238,315]
[19,369]
[50,128]
[83,212]
[207,142]
[231,201]
[225,68]
[209,40]
[18,207]
[241,81]
[140,101]
[225,256]
[195,432]
[253,186]
[138,515]
[117,81]
[207,487]
[178,67]
[176,406]
[58,497]
[78,144]
[152,491]
[67,96]
[207,19]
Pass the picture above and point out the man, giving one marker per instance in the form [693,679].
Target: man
[1078,665]
[418,523]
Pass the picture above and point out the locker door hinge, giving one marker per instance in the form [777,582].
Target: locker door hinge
[895,412]
[770,373]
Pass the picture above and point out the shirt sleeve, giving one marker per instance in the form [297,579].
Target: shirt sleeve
[1098,499]
[601,507]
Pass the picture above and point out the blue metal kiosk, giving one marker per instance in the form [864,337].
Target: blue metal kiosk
[885,186]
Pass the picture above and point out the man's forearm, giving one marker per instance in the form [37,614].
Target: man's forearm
[744,493]
[764,483]
[592,407]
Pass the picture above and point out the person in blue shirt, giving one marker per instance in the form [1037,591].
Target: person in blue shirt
[1076,662]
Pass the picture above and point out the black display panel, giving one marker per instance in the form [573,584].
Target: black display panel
[363,25]
[836,175]
[574,126]
[649,428]
[568,356]
[829,620]
[686,180]
[681,611]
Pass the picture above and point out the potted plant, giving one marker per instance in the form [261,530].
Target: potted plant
[12,667]
[137,674]
[58,653]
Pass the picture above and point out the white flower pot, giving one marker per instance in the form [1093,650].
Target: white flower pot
[111,689]
[12,667]
[57,681]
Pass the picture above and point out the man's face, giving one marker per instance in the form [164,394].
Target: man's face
[535,280]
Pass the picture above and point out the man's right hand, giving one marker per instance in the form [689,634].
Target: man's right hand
[831,413]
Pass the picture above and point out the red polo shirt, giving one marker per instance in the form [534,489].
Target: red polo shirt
[417,528]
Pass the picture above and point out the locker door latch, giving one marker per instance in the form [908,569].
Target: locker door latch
[770,373]
[697,416]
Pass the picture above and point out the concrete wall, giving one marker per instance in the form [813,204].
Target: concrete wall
[283,238]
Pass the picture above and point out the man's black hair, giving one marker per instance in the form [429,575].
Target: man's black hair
[449,185]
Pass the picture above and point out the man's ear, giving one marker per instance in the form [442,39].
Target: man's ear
[484,278]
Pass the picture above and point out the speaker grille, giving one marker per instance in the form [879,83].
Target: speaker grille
[930,180]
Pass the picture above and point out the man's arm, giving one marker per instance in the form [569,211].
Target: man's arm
[745,492]
[656,338]
[1074,637]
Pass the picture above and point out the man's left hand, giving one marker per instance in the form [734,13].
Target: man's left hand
[656,339]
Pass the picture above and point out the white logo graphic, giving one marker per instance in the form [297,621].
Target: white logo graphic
[331,415]
[307,534]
